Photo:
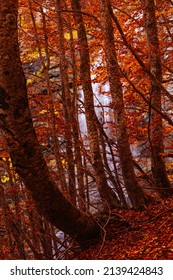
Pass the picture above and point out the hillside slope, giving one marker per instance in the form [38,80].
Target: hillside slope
[147,235]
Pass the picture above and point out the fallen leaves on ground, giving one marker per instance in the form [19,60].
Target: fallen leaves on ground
[146,235]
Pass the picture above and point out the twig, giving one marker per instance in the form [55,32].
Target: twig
[104,231]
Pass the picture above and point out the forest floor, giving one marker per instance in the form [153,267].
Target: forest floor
[145,235]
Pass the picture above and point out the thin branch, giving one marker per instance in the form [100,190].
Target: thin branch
[141,63]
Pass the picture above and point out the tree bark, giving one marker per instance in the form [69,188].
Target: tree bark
[156,135]
[76,130]
[106,193]
[67,105]
[134,190]
[46,67]
[17,127]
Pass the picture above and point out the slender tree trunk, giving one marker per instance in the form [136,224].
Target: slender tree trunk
[75,127]
[120,195]
[46,66]
[156,134]
[134,190]
[34,219]
[75,122]
[107,194]
[17,127]
[67,104]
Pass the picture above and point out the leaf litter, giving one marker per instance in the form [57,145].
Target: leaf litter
[145,235]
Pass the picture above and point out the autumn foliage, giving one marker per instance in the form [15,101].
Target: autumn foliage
[99,88]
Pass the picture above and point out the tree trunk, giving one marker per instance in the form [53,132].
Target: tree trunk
[67,105]
[16,124]
[46,67]
[75,126]
[134,190]
[156,134]
[106,193]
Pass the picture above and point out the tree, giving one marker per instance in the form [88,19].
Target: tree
[156,127]
[107,195]
[17,127]
[134,190]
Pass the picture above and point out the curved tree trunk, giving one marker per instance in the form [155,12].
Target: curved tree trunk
[16,124]
[156,135]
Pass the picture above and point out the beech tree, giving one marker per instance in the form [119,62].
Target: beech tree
[134,190]
[17,127]
[106,193]
[156,128]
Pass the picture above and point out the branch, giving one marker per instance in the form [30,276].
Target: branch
[141,63]
[164,116]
